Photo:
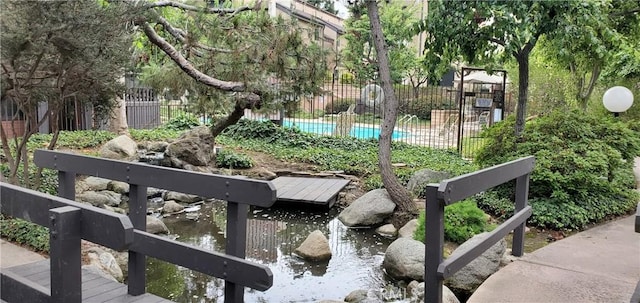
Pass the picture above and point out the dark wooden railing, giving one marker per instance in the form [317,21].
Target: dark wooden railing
[68,223]
[238,192]
[457,189]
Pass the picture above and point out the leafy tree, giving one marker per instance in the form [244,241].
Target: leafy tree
[589,43]
[359,56]
[406,208]
[228,58]
[58,52]
[490,32]
[327,5]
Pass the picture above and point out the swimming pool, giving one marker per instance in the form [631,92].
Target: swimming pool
[326,128]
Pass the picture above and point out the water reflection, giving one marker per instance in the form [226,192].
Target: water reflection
[272,236]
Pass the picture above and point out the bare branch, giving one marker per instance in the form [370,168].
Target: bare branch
[186,66]
[213,10]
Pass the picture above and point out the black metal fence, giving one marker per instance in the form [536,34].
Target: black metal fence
[457,189]
[239,193]
[428,115]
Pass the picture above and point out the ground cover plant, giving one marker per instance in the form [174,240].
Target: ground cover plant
[353,156]
[583,172]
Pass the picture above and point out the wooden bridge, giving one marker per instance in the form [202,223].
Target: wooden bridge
[61,279]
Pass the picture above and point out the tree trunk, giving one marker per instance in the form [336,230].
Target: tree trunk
[118,122]
[399,194]
[523,91]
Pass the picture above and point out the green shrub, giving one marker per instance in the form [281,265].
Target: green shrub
[462,221]
[347,78]
[156,134]
[25,232]
[182,121]
[583,172]
[339,105]
[230,159]
[247,129]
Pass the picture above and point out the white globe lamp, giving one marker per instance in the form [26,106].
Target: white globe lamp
[617,99]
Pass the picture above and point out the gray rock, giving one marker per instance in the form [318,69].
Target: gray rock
[185,198]
[421,178]
[171,207]
[156,226]
[408,229]
[158,147]
[416,293]
[370,209]
[387,230]
[195,147]
[330,301]
[100,198]
[118,187]
[363,296]
[315,247]
[404,259]
[473,274]
[106,262]
[121,147]
[96,184]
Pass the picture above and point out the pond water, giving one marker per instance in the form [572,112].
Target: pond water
[272,236]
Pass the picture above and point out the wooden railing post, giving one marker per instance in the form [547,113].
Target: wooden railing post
[434,243]
[235,245]
[64,251]
[137,262]
[67,185]
[522,193]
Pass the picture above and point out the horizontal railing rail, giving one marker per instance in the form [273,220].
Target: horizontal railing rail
[99,225]
[457,189]
[238,192]
[68,223]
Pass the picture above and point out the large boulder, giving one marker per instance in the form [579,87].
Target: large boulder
[387,230]
[315,247]
[408,229]
[415,290]
[100,198]
[468,278]
[96,183]
[370,209]
[119,187]
[193,147]
[171,206]
[181,197]
[156,226]
[404,259]
[105,262]
[421,178]
[121,147]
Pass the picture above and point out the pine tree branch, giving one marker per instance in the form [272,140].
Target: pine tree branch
[186,66]
[212,10]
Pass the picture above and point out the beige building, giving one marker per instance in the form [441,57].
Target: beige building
[321,26]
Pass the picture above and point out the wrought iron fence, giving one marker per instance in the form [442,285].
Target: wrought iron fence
[428,115]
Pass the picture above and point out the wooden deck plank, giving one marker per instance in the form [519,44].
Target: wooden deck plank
[329,194]
[95,288]
[317,191]
[284,185]
[30,268]
[328,190]
[307,188]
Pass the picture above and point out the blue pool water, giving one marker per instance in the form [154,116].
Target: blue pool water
[326,128]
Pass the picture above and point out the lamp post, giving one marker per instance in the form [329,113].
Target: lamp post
[617,99]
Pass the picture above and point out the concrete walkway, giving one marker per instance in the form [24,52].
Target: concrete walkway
[601,264]
[14,255]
